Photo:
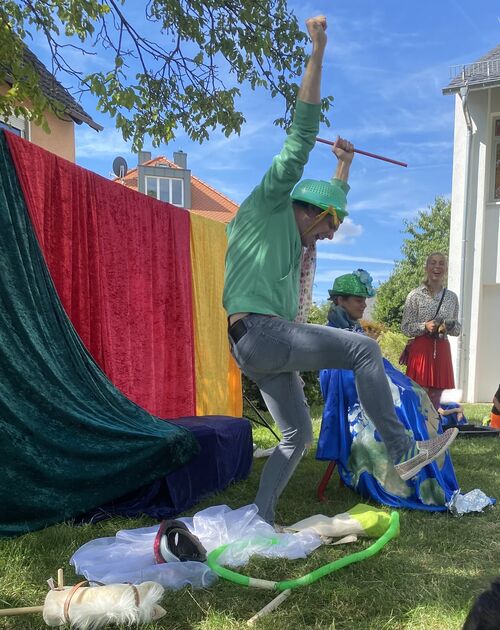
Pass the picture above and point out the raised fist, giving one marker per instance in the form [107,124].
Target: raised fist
[316,27]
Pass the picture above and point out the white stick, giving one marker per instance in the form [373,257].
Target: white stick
[9,612]
[60,578]
[273,604]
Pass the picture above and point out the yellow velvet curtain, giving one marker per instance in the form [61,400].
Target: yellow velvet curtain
[218,378]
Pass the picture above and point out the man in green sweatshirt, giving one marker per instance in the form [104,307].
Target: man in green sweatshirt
[266,238]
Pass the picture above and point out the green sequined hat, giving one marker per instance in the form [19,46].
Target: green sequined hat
[324,195]
[358,283]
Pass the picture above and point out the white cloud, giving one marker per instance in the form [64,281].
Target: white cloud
[415,119]
[347,234]
[411,213]
[384,203]
[347,257]
[220,152]
[108,142]
[329,275]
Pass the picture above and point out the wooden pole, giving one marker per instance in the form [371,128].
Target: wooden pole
[9,612]
[373,155]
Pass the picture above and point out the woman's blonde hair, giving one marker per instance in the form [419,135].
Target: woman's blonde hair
[444,256]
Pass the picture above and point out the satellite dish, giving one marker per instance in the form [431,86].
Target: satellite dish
[120,167]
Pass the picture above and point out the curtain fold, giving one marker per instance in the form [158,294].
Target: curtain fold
[70,440]
[218,378]
[120,262]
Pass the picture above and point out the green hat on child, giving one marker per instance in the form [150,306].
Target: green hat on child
[324,195]
[358,283]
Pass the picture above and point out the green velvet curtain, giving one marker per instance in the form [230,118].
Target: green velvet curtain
[69,440]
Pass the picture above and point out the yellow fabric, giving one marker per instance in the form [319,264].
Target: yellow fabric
[374,522]
[361,520]
[218,378]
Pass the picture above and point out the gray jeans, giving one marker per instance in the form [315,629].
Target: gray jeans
[271,351]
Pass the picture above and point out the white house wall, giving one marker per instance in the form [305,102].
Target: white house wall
[456,222]
[475,352]
[489,344]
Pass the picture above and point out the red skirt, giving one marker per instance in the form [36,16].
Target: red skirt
[429,363]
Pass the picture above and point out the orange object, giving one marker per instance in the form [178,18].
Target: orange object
[495,420]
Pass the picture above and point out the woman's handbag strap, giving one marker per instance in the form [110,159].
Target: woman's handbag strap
[440,302]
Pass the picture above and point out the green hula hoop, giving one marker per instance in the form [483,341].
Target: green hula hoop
[309,578]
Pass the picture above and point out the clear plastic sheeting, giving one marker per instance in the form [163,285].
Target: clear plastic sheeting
[473,501]
[129,556]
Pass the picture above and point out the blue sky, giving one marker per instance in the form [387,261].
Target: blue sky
[385,65]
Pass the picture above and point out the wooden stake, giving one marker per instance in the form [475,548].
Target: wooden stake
[8,612]
[273,604]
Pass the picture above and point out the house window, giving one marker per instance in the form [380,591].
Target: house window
[496,149]
[170,189]
[15,125]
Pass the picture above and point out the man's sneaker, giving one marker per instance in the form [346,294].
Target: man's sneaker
[423,453]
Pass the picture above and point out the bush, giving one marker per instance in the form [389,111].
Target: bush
[251,391]
[372,329]
[312,390]
[318,314]
[392,345]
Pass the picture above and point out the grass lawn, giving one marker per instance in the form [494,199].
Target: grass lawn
[424,579]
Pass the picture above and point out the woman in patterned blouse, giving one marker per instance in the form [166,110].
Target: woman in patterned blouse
[429,357]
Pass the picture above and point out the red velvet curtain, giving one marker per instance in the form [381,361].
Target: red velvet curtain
[120,262]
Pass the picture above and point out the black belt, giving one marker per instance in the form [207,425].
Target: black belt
[237,330]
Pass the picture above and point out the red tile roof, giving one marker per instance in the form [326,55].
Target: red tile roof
[205,200]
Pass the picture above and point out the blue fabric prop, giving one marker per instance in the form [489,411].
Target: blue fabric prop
[451,419]
[349,437]
[225,456]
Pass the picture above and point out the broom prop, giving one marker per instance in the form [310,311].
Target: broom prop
[372,155]
[86,607]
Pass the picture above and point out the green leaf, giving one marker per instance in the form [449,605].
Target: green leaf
[179,68]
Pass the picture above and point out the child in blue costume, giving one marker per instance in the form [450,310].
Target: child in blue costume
[452,414]
[349,437]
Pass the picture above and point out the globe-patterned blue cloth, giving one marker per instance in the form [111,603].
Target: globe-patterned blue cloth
[349,437]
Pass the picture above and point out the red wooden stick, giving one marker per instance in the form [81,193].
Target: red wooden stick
[373,155]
